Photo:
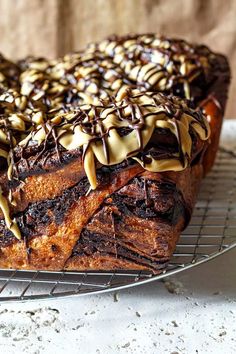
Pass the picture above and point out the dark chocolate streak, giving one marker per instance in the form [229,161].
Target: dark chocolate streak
[28,167]
[167,206]
[38,215]
[162,140]
[53,210]
[43,213]
[162,145]
[100,245]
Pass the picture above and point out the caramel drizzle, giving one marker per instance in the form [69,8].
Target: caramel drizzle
[95,130]
[157,63]
[82,100]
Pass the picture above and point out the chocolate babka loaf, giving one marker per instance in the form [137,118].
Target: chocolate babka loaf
[100,164]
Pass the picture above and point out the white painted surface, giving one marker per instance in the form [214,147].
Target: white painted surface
[198,317]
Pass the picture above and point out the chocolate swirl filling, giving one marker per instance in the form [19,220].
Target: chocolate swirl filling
[103,102]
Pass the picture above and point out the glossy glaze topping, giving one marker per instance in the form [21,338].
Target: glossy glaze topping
[97,130]
[102,101]
[156,63]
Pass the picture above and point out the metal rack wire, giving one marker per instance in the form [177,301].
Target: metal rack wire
[212,231]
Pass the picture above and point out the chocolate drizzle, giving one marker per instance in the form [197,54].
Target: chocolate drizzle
[103,101]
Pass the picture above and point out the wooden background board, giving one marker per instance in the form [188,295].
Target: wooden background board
[53,27]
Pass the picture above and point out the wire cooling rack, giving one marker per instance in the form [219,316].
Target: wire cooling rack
[212,231]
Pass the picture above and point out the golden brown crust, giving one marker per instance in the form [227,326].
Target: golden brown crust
[87,237]
[214,115]
[153,239]
[62,236]
[52,249]
[103,262]
[45,186]
[98,262]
